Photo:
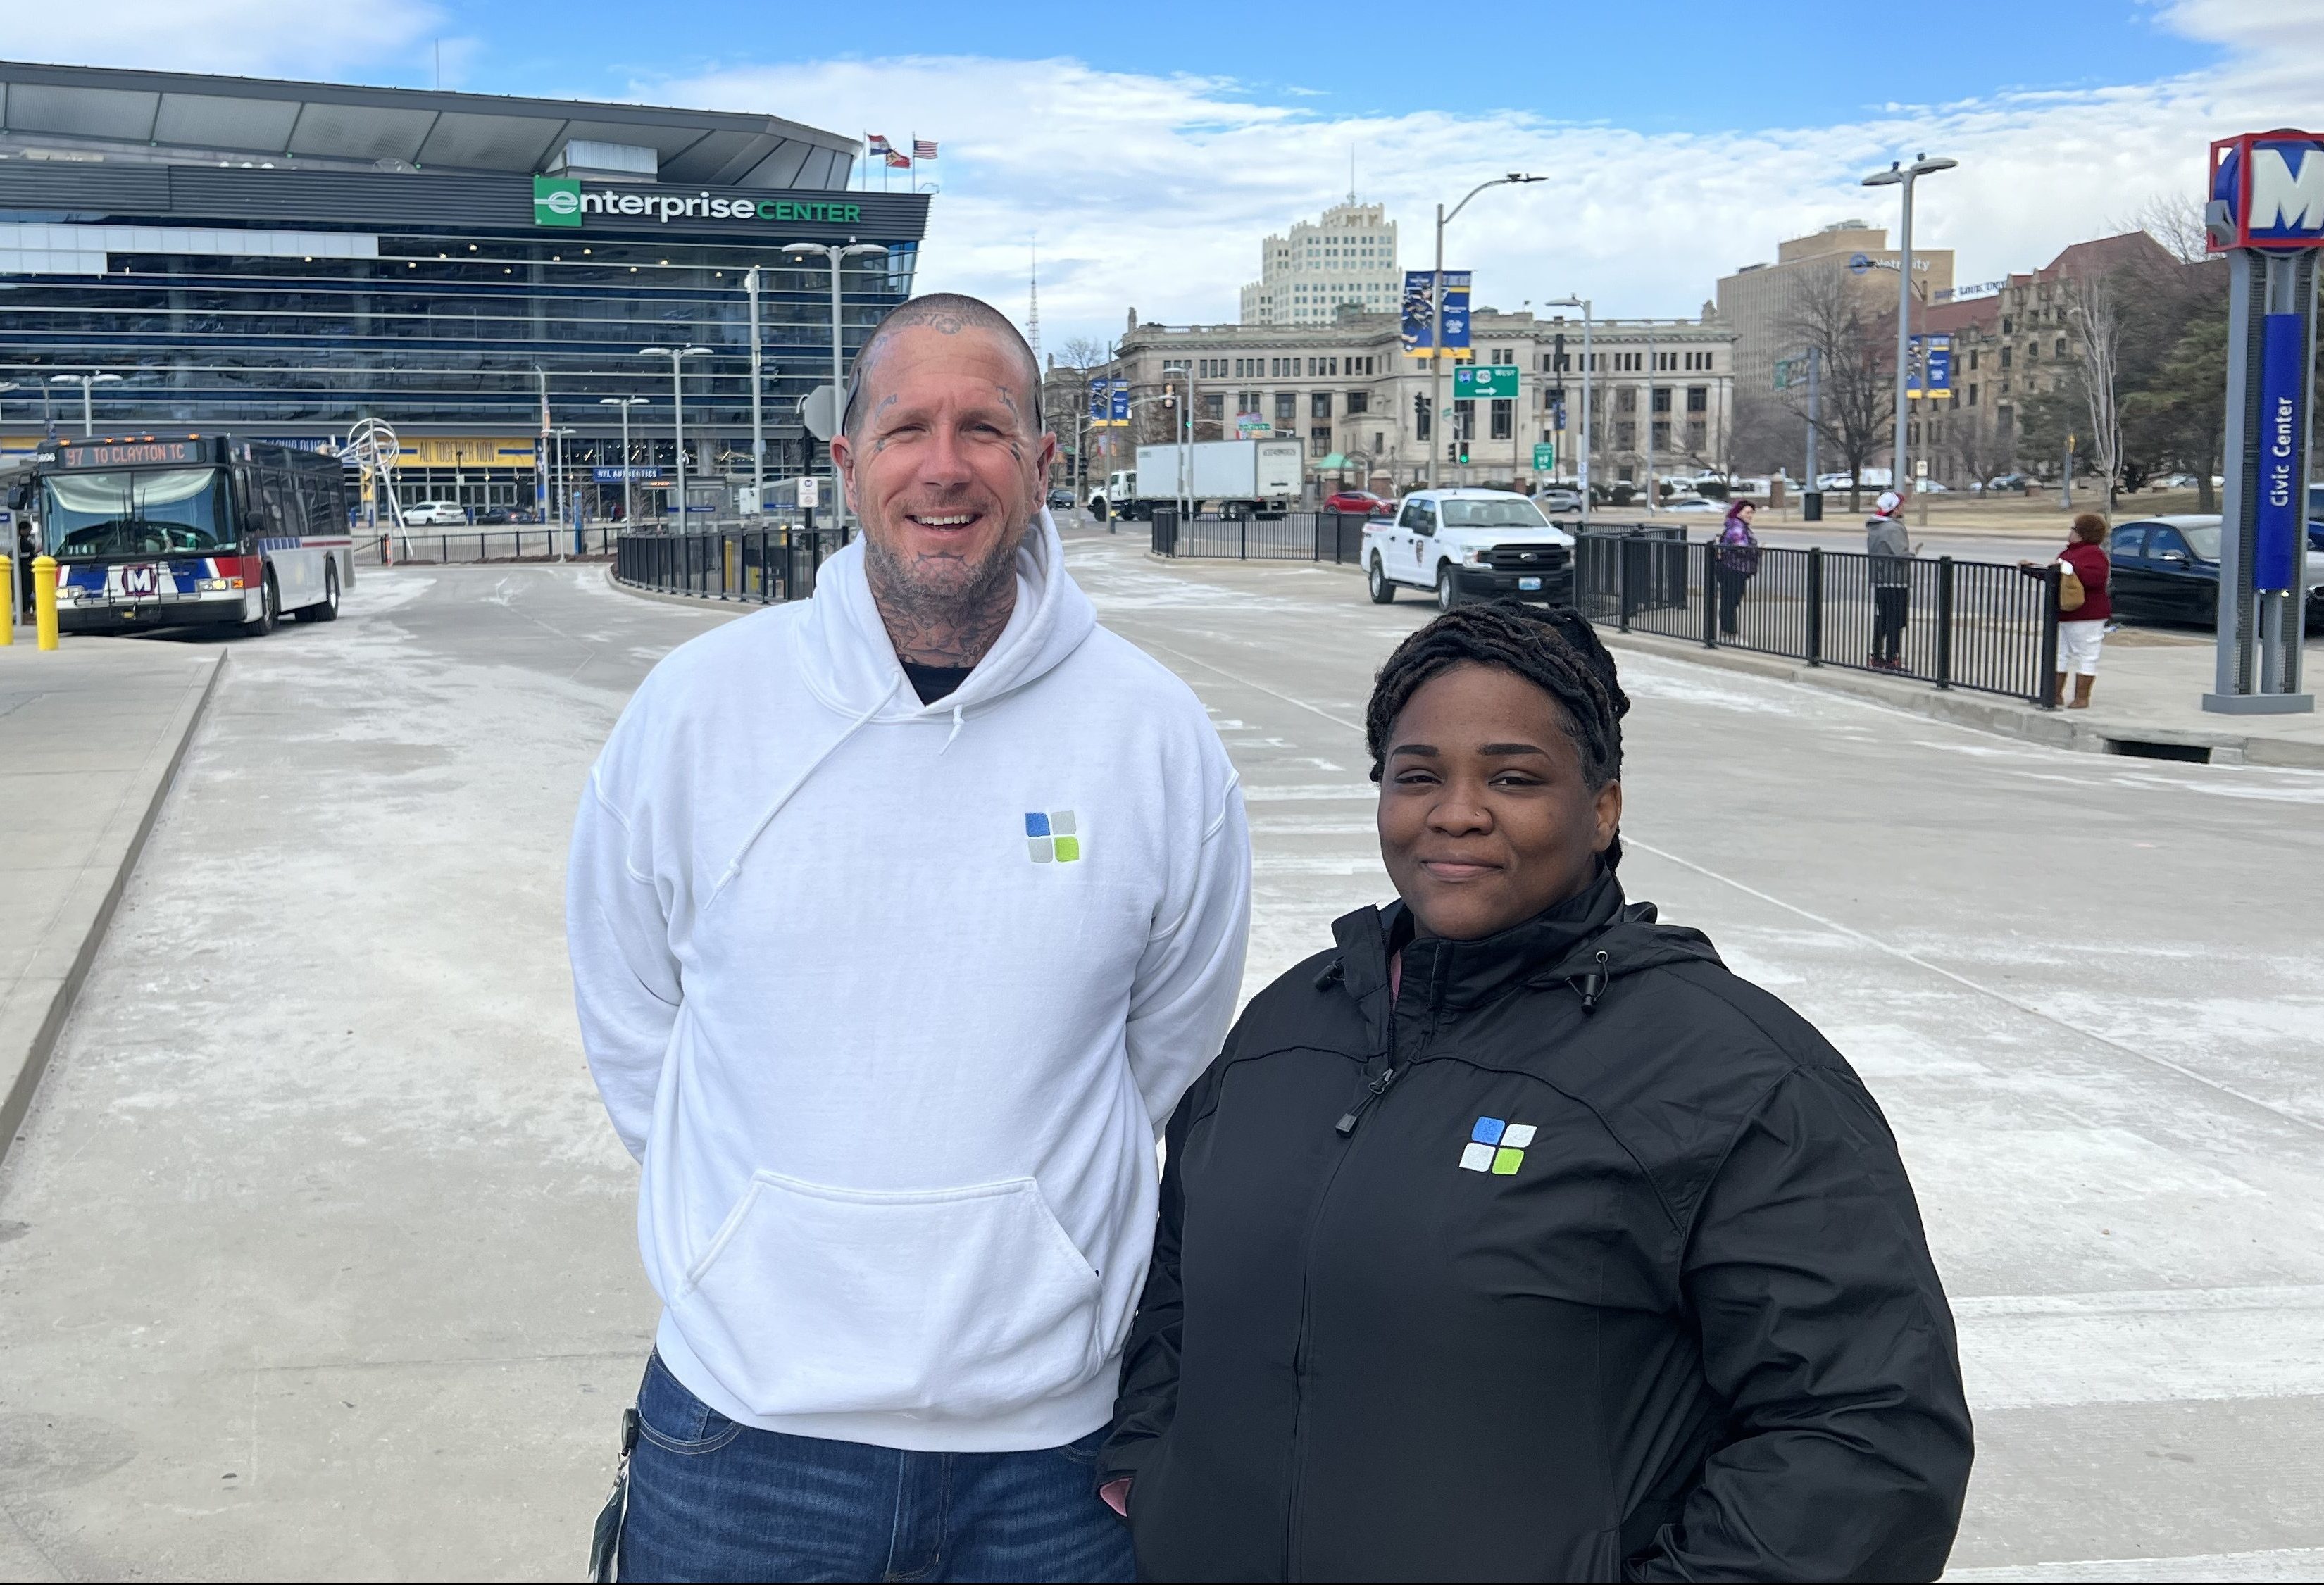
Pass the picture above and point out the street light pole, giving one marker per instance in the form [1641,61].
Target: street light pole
[1437,432]
[88,408]
[1902,175]
[1587,369]
[758,425]
[836,254]
[628,500]
[677,355]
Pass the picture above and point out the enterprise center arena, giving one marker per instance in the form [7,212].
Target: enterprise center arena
[281,260]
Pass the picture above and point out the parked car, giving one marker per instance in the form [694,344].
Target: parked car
[1469,545]
[1363,502]
[433,514]
[2167,569]
[1692,504]
[1061,500]
[2007,482]
[1558,498]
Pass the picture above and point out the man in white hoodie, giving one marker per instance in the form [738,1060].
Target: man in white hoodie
[899,919]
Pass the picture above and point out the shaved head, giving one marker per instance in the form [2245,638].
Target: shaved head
[948,314]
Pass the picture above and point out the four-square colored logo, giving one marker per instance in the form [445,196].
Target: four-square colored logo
[555,200]
[1051,838]
[1496,1146]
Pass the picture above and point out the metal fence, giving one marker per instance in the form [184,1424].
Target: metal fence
[1336,536]
[1958,624]
[756,566]
[545,542]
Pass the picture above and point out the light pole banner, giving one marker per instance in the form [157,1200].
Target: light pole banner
[1420,308]
[2276,560]
[1456,311]
[1097,401]
[1118,411]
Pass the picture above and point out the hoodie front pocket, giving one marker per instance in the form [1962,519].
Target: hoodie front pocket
[815,1300]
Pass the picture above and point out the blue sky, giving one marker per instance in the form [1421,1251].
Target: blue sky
[1151,148]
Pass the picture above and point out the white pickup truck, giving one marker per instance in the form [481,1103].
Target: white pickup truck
[1469,545]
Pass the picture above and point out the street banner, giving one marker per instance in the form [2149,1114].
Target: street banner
[1118,413]
[2277,554]
[1097,401]
[1419,309]
[1929,371]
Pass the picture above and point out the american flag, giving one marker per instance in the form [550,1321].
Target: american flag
[924,149]
[878,144]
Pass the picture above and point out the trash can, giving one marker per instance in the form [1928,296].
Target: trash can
[1811,506]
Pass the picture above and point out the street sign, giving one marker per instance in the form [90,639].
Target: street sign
[1784,372]
[819,411]
[1478,382]
[809,490]
[1545,459]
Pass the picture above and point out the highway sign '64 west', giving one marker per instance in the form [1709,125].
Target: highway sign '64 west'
[2267,191]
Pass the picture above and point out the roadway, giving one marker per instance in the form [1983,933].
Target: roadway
[316,1257]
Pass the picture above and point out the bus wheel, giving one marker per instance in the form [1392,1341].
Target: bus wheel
[270,607]
[329,611]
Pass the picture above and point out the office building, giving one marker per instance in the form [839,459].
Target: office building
[1347,260]
[1761,302]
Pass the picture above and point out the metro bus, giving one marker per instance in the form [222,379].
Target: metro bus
[193,531]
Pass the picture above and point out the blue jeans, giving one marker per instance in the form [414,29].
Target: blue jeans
[710,1500]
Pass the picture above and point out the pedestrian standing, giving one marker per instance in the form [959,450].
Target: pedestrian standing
[1738,561]
[1891,553]
[2085,606]
[900,917]
[1515,1237]
[27,548]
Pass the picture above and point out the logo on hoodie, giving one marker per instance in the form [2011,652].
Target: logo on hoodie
[1051,838]
[1496,1146]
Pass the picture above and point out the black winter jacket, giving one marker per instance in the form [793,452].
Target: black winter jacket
[1584,1260]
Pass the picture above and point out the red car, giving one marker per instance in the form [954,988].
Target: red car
[1361,501]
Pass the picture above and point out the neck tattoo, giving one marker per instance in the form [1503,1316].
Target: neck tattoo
[933,624]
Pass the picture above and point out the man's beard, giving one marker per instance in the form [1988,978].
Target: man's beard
[942,590]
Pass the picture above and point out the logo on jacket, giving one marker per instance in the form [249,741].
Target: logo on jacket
[1051,838]
[1496,1147]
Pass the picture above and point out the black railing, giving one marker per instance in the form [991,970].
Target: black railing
[1980,625]
[540,542]
[1336,536]
[754,565]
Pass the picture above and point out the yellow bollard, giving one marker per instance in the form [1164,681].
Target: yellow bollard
[8,597]
[44,600]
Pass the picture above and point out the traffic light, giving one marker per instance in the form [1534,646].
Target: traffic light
[1461,450]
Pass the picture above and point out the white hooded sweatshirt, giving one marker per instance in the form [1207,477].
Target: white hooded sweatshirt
[891,1001]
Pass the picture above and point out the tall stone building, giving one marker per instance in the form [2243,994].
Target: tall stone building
[1759,301]
[1346,259]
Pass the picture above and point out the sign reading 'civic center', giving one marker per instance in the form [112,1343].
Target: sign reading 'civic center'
[562,200]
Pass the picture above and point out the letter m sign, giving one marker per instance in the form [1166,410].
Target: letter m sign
[2267,191]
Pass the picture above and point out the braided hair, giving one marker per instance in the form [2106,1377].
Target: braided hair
[1556,649]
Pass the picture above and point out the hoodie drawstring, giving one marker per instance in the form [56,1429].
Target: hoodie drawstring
[809,768]
[956,719]
[1591,983]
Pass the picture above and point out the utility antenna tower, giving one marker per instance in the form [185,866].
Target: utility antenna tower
[1033,303]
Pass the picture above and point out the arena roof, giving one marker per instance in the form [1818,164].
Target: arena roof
[169,117]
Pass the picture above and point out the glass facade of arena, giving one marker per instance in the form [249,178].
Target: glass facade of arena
[290,297]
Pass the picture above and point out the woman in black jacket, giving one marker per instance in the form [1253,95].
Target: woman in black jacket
[1516,1238]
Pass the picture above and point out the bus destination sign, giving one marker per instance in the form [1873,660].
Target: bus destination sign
[130,454]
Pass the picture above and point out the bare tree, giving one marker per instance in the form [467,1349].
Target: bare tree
[2094,302]
[1857,399]
[1079,354]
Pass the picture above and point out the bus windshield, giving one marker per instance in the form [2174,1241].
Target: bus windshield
[1514,512]
[156,512]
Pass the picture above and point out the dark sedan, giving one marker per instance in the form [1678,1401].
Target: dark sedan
[2167,569]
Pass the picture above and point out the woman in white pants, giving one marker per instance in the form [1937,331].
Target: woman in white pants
[2083,624]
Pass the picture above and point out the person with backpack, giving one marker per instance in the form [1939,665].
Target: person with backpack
[1738,559]
[1517,1237]
[1891,550]
[2084,605]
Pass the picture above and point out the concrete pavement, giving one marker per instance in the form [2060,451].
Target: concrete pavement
[90,734]
[316,1256]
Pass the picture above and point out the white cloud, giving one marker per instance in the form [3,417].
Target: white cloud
[1155,191]
[372,41]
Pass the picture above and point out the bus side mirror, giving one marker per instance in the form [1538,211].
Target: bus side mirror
[20,496]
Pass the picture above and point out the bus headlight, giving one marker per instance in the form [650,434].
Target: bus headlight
[217,586]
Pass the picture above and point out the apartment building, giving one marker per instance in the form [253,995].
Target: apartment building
[1346,259]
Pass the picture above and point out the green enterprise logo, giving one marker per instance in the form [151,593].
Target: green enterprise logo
[556,201]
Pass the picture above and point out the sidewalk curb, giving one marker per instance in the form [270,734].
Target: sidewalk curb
[2056,729]
[34,1060]
[692,601]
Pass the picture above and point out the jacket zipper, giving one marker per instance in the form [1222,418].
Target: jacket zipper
[1345,1128]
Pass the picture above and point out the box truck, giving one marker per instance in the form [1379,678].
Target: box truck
[1231,476]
